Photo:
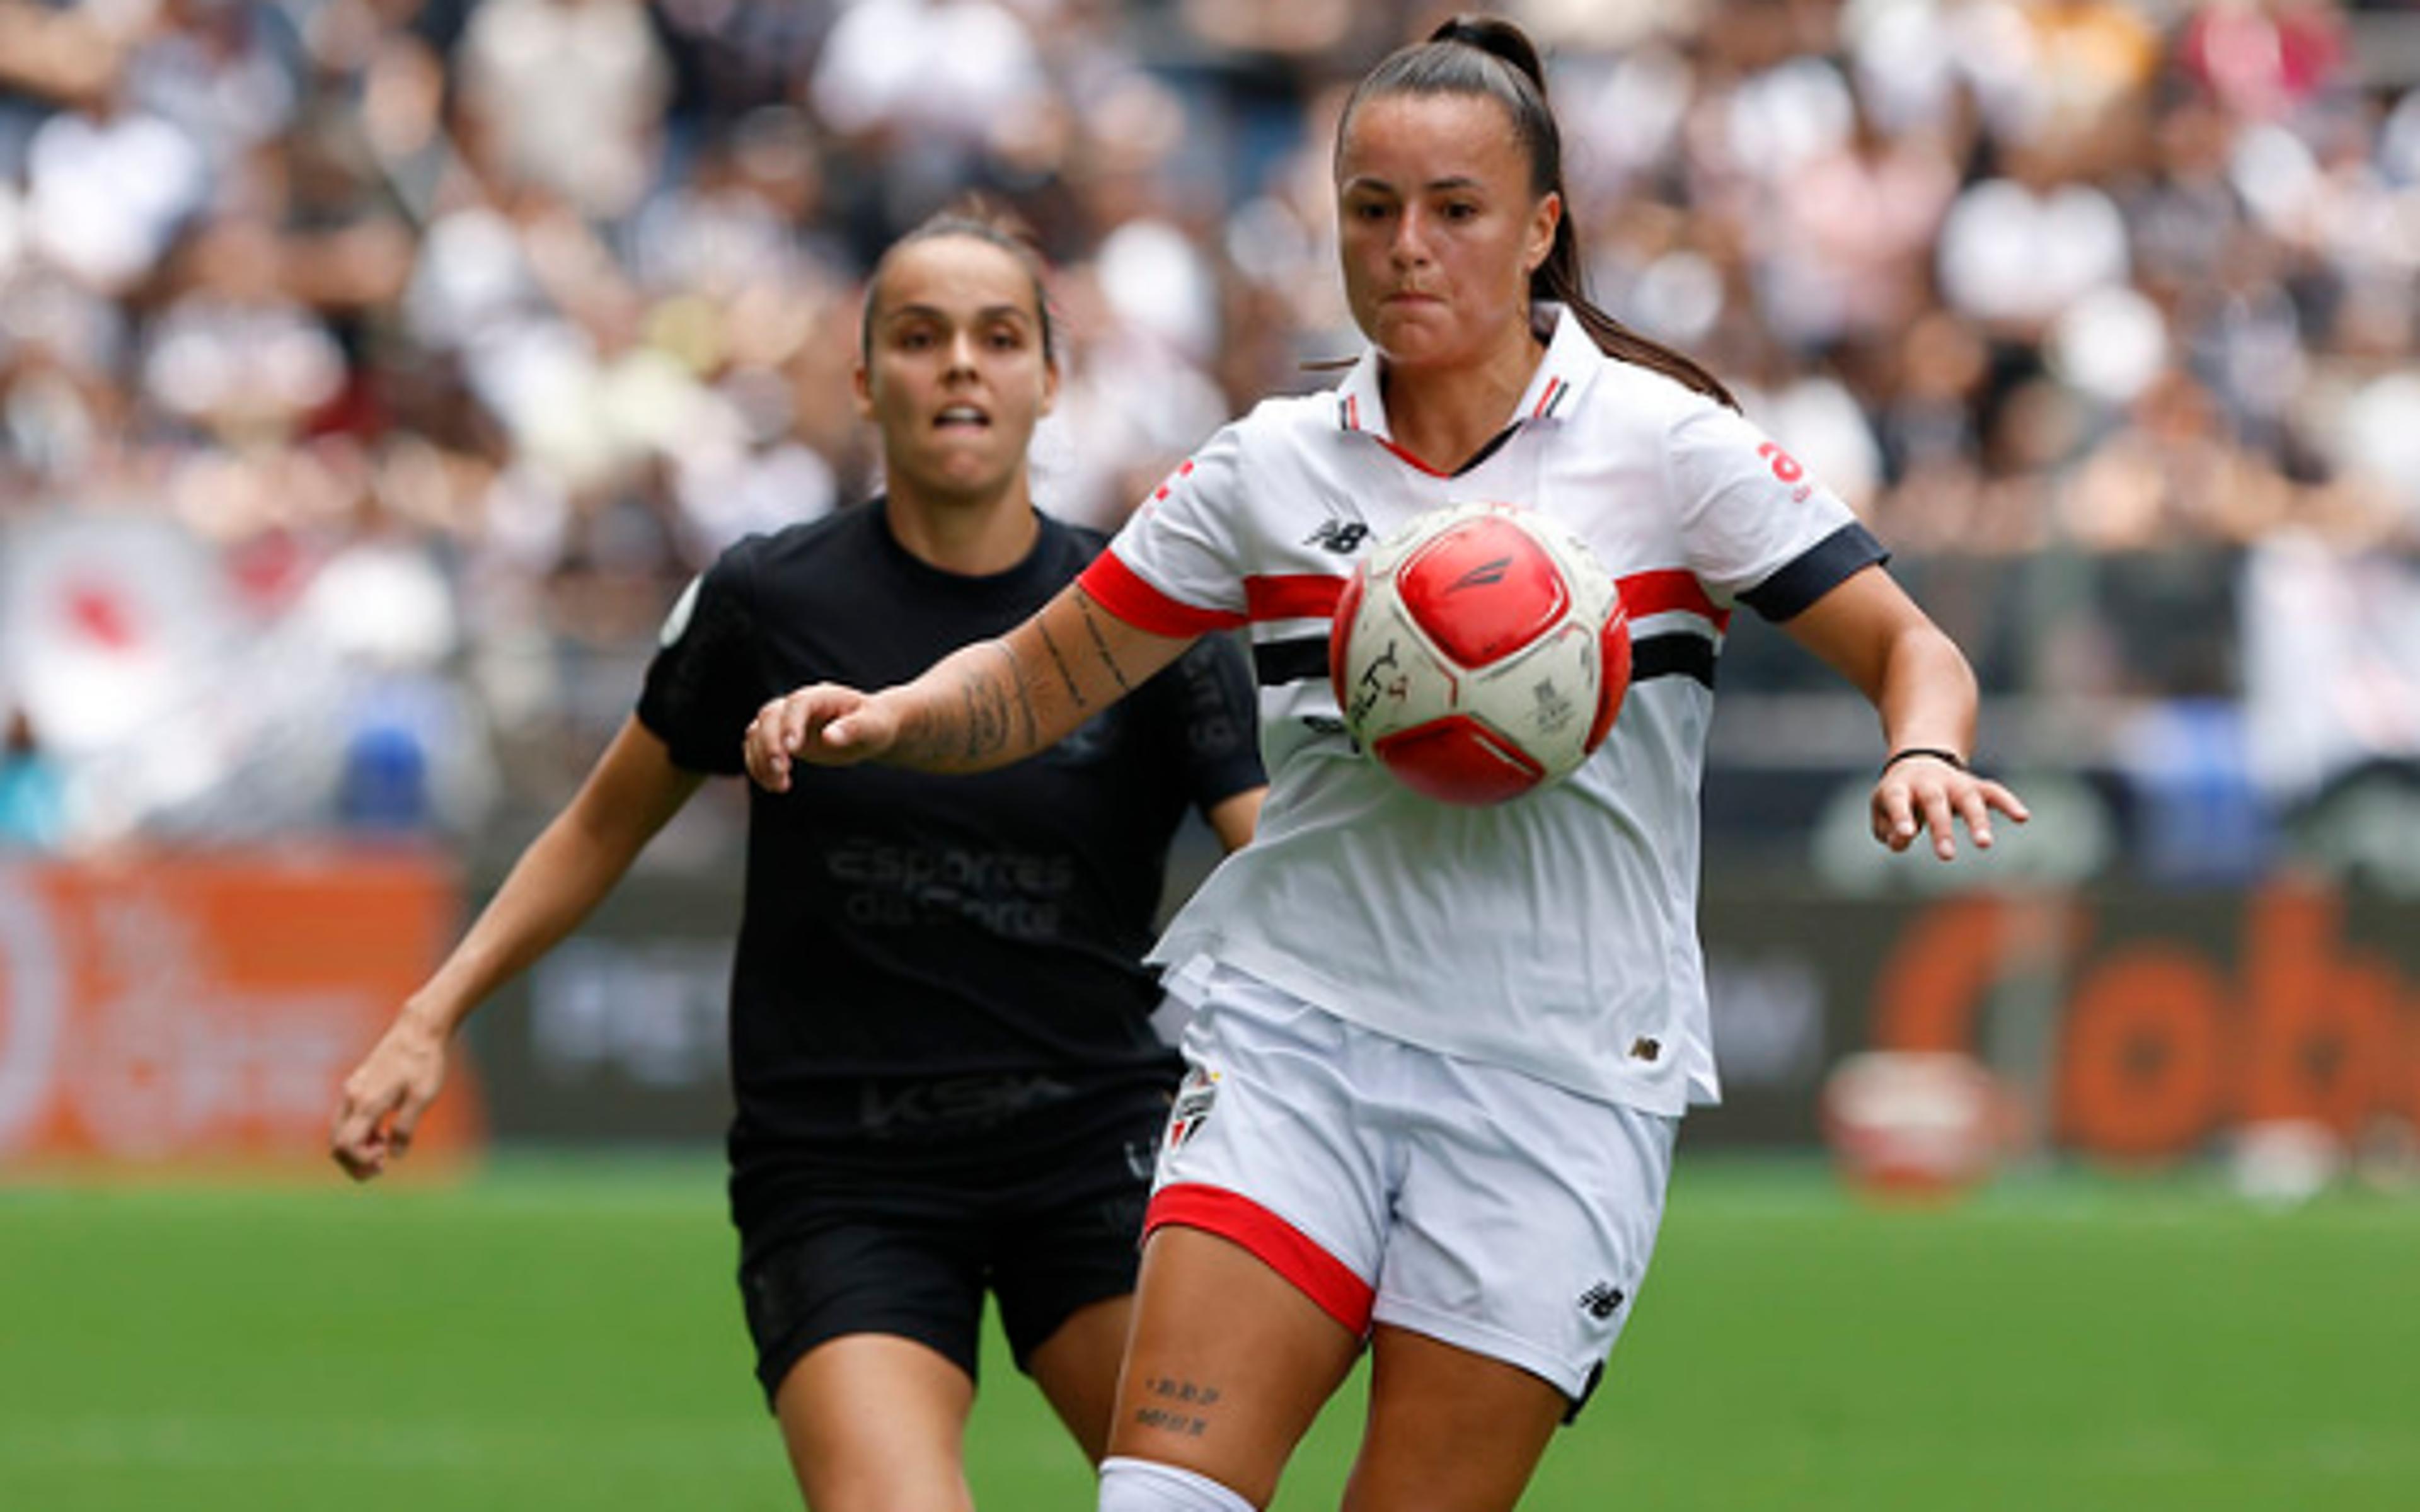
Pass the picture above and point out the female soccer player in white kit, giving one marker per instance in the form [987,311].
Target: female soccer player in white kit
[1439,1054]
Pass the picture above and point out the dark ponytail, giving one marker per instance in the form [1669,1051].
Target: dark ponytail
[1489,55]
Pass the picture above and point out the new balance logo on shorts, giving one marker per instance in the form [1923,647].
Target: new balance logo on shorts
[1600,1301]
[1343,537]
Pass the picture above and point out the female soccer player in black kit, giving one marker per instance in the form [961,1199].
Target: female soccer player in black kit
[945,1078]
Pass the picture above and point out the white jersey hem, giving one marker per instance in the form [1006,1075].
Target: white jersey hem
[1180,955]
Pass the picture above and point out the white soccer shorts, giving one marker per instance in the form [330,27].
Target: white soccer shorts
[1394,1184]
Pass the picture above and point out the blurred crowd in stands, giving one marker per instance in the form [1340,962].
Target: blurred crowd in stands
[372,372]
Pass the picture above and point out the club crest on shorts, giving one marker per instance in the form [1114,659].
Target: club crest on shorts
[1192,1109]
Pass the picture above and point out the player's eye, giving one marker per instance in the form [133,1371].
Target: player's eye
[1460,209]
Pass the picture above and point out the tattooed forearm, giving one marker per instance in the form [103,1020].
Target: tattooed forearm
[986,710]
[972,711]
[1059,659]
[1101,644]
[1024,698]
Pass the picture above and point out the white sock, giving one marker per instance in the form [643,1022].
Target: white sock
[1147,1486]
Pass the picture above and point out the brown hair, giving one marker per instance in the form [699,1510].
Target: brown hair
[1489,55]
[978,219]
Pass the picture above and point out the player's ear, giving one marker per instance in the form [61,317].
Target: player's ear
[860,388]
[1542,224]
[1049,384]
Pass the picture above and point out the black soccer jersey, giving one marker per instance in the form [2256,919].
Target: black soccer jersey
[913,944]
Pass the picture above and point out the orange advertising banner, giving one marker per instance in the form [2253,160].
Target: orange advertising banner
[197,1012]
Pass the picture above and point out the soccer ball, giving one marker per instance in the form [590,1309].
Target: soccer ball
[1479,652]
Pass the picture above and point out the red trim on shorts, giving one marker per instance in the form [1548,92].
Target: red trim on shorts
[1115,587]
[1668,589]
[1276,1243]
[1304,595]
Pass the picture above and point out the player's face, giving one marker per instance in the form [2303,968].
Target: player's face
[1438,227]
[955,379]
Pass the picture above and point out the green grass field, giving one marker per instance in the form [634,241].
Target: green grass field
[565,1336]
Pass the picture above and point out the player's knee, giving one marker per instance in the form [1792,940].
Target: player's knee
[1147,1486]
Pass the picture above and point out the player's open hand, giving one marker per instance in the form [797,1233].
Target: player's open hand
[385,1096]
[1930,794]
[824,725]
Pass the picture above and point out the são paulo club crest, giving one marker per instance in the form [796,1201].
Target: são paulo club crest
[1192,1109]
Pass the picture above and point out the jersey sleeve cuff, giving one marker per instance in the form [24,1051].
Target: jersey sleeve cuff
[1117,588]
[1815,572]
[686,754]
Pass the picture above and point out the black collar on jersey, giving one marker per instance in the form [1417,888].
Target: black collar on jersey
[1009,583]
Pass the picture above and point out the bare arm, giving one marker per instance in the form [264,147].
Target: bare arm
[1233,818]
[979,707]
[1876,637]
[633,790]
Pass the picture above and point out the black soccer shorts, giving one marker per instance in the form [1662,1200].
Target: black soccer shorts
[1048,1230]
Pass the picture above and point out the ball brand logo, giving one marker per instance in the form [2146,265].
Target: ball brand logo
[1382,678]
[1485,575]
[1554,710]
[1600,1301]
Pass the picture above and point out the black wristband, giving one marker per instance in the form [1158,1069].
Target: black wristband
[1951,757]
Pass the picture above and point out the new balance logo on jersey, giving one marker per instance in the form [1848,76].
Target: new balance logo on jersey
[1600,1301]
[1343,537]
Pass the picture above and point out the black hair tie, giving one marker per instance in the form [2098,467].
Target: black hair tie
[1949,757]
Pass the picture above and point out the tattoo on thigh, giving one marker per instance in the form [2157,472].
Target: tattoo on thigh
[1101,644]
[1177,1406]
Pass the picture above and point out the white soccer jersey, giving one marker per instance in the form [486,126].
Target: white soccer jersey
[1554,933]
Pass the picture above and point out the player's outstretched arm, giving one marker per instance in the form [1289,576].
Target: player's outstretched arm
[982,706]
[571,865]
[1876,637]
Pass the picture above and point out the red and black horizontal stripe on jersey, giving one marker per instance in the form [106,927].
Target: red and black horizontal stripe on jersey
[1678,653]
[1667,654]
[1675,653]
